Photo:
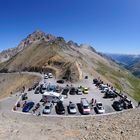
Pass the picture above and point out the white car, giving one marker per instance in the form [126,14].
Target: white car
[50,75]
[47,109]
[105,90]
[79,91]
[99,108]
[46,76]
[72,108]
[43,88]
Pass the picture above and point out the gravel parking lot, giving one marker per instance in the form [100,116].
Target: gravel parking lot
[94,92]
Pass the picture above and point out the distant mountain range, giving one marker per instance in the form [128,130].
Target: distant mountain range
[41,52]
[130,62]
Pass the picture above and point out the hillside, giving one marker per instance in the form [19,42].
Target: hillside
[14,83]
[31,38]
[70,60]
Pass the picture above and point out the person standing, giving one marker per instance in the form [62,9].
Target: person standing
[139,104]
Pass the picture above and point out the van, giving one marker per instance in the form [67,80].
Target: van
[85,106]
[52,97]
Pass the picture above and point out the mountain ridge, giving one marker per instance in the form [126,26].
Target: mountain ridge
[70,60]
[31,38]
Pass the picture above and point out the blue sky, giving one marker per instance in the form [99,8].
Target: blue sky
[111,26]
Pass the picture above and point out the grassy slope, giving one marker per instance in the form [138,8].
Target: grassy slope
[14,82]
[131,85]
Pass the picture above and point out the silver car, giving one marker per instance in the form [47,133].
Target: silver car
[72,108]
[79,91]
[99,107]
[47,109]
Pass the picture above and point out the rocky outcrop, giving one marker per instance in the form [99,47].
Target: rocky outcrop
[32,38]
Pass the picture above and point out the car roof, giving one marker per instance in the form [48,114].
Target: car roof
[51,94]
[72,105]
[30,103]
[84,101]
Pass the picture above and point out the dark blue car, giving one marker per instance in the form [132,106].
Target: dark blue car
[28,106]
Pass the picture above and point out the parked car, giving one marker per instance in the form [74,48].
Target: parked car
[79,91]
[126,104]
[46,76]
[72,108]
[110,94]
[103,86]
[105,90]
[99,108]
[60,81]
[85,106]
[86,77]
[72,91]
[85,90]
[98,83]
[58,89]
[117,105]
[37,91]
[43,89]
[60,109]
[48,108]
[50,75]
[28,107]
[65,91]
[95,81]
[24,96]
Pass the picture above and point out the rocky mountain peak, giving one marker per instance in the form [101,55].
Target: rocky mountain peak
[88,47]
[71,43]
[34,37]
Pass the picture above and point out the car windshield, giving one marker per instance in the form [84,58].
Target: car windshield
[79,90]
[73,89]
[86,89]
[72,107]
[100,107]
[86,107]
[100,104]
[119,105]
[47,107]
